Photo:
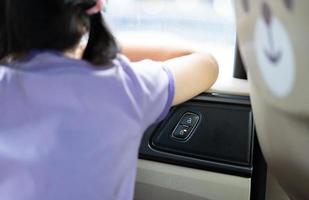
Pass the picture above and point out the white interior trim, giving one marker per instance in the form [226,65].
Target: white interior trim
[163,181]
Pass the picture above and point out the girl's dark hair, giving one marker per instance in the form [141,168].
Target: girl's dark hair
[54,24]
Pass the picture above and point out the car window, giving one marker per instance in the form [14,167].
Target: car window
[207,25]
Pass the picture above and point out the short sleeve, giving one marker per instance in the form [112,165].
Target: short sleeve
[154,87]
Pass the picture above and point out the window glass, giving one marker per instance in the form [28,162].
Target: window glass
[206,25]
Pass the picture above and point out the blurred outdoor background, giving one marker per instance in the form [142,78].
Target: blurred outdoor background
[206,25]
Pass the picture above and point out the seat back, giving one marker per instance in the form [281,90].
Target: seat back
[273,37]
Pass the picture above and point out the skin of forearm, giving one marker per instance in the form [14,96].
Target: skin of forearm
[153,52]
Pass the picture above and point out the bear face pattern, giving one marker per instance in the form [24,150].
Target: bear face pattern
[274,45]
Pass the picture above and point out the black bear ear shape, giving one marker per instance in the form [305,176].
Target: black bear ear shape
[246,5]
[289,4]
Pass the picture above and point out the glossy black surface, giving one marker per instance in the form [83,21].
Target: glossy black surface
[222,140]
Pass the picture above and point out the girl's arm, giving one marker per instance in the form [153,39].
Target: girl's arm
[193,72]
[155,46]
[137,52]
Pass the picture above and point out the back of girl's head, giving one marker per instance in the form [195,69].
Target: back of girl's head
[54,24]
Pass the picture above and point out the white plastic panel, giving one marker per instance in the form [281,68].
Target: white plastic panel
[158,181]
[230,85]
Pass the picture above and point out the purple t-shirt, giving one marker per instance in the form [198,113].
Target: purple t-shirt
[70,131]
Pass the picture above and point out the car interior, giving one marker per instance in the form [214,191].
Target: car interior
[247,137]
[241,139]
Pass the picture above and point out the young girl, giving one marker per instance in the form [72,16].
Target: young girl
[70,125]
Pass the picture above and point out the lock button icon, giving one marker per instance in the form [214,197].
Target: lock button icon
[189,119]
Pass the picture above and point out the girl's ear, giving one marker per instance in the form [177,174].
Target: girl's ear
[102,47]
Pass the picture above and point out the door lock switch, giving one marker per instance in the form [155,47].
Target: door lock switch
[182,132]
[189,119]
